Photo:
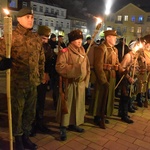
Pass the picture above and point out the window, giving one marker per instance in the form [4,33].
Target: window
[56,23]
[57,12]
[46,9]
[148,19]
[147,29]
[24,4]
[46,22]
[62,13]
[35,21]
[68,25]
[40,22]
[61,24]
[34,7]
[52,23]
[13,3]
[41,8]
[52,10]
[133,18]
[132,29]
[140,19]
[125,18]
[119,18]
[139,29]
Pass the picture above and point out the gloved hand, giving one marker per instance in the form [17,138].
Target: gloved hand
[106,84]
[5,63]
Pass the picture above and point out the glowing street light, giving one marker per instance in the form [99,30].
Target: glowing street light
[108,5]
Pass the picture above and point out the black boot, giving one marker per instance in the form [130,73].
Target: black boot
[102,123]
[139,100]
[27,143]
[124,117]
[96,120]
[19,143]
[130,104]
[63,135]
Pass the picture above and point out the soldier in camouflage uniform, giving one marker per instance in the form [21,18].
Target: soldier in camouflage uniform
[73,65]
[38,124]
[26,74]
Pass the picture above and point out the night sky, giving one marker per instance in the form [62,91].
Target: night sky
[86,9]
[97,7]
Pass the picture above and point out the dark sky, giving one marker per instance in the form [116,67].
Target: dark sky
[97,7]
[86,9]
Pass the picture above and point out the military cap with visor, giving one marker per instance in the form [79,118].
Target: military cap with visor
[110,32]
[25,11]
[74,35]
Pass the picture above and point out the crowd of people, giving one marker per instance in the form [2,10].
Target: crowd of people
[39,63]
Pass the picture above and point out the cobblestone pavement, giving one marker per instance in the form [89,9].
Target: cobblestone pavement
[117,136]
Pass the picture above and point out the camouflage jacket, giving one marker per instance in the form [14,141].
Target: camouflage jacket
[28,57]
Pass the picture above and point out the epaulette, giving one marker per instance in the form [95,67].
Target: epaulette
[64,50]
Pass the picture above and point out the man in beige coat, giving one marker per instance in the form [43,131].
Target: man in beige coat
[73,65]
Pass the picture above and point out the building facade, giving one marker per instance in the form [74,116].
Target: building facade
[131,22]
[52,16]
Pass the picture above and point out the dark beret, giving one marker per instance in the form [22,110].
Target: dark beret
[25,11]
[44,30]
[74,35]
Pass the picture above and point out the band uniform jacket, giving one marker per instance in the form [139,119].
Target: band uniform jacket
[73,64]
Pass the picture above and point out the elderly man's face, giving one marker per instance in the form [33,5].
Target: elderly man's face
[111,40]
[26,21]
[77,43]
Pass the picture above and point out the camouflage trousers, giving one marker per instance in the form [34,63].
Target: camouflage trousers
[23,109]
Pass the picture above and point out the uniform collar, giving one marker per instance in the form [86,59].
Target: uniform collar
[23,30]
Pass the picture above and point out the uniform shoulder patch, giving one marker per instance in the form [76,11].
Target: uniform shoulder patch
[64,50]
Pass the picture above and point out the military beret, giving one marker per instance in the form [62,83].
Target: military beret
[44,30]
[110,32]
[25,11]
[53,35]
[74,35]
[146,38]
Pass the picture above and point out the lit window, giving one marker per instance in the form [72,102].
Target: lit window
[140,19]
[139,29]
[119,18]
[133,18]
[148,29]
[125,18]
[132,29]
